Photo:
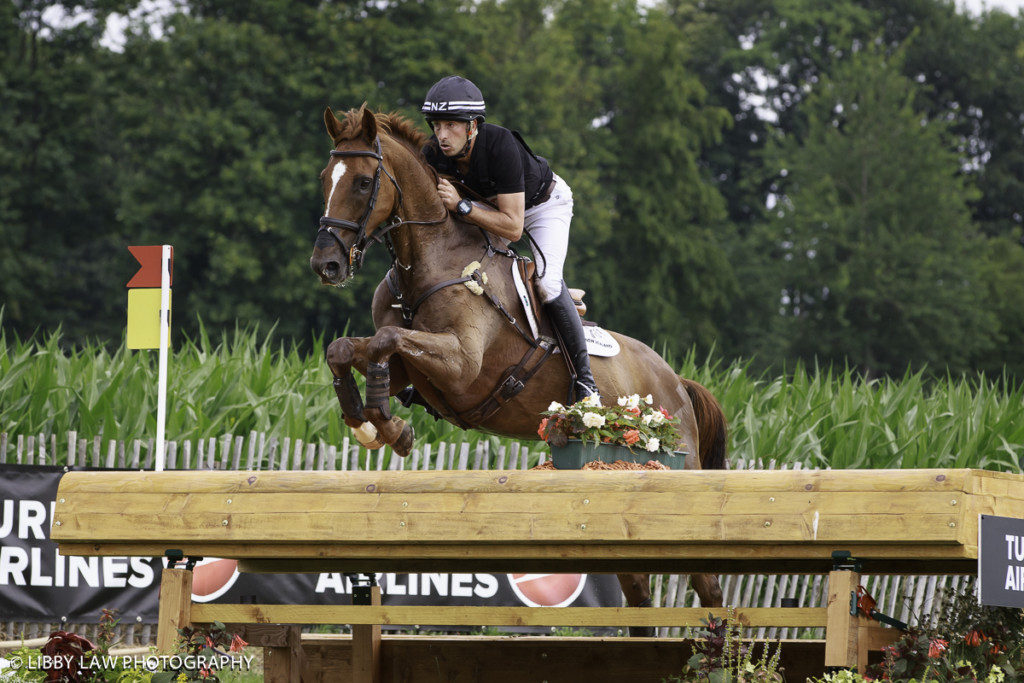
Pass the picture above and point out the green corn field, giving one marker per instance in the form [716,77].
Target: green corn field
[245,382]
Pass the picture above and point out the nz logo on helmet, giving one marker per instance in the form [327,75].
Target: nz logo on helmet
[438,106]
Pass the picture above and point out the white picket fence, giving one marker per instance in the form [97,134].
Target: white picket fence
[913,599]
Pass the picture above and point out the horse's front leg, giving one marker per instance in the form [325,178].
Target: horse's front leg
[448,361]
[342,355]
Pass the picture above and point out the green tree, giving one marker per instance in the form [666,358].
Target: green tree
[55,172]
[872,235]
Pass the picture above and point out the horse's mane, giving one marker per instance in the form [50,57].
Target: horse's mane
[392,123]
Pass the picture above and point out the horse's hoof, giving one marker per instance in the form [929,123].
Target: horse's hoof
[403,446]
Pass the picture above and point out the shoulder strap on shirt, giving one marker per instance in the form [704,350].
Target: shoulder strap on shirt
[522,142]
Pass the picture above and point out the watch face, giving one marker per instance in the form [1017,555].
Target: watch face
[464,207]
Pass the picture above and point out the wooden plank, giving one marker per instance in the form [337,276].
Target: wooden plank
[896,481]
[656,558]
[501,616]
[174,607]
[504,527]
[615,503]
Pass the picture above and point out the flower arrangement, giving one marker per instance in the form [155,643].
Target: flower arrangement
[632,423]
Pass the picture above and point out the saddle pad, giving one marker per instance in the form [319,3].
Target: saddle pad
[599,342]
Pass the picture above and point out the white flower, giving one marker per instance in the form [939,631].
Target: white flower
[556,407]
[629,401]
[646,419]
[653,444]
[593,420]
[656,418]
[648,399]
[592,401]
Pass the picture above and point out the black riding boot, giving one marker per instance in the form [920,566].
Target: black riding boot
[562,312]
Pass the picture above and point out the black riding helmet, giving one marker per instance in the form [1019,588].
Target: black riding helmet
[454,98]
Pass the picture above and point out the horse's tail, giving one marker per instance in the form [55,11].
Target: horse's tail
[711,426]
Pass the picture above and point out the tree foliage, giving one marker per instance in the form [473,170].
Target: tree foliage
[783,180]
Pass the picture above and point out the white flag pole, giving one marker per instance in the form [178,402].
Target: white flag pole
[165,333]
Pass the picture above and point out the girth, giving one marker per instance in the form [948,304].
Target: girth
[514,379]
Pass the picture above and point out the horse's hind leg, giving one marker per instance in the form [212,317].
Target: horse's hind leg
[637,589]
[708,589]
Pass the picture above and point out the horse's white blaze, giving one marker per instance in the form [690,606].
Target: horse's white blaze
[336,173]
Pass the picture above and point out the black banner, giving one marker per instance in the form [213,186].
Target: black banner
[1001,560]
[39,584]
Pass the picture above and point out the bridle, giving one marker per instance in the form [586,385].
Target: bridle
[382,233]
[355,254]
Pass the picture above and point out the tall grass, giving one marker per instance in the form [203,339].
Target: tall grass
[244,382]
[826,418]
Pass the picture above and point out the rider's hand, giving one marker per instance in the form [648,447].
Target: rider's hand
[449,197]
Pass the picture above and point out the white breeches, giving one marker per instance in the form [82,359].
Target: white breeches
[548,224]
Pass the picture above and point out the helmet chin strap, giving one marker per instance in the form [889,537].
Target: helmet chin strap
[469,141]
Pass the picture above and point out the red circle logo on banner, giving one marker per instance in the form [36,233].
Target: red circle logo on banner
[212,577]
[547,590]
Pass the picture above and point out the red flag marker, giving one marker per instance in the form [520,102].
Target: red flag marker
[149,274]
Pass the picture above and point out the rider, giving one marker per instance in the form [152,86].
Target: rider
[496,163]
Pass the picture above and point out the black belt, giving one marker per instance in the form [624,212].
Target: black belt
[543,195]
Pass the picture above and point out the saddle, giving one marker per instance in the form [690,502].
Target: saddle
[528,272]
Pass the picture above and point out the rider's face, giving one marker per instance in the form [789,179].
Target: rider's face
[452,135]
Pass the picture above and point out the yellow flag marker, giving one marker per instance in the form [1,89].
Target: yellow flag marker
[144,318]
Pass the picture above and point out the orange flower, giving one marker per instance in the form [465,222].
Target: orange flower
[974,638]
[540,430]
[937,647]
[237,644]
[634,411]
[664,412]
[631,437]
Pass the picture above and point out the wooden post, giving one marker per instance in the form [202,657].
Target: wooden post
[366,639]
[841,631]
[175,607]
[283,662]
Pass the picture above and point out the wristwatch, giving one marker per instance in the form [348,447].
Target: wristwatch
[463,207]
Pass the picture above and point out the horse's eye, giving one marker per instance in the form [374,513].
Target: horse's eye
[364,184]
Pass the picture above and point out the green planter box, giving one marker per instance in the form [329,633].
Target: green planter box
[575,454]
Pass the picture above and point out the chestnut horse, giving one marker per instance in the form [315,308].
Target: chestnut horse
[453,337]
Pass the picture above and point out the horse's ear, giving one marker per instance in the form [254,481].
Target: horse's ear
[369,124]
[332,123]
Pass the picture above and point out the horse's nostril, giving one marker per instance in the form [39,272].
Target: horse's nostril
[331,268]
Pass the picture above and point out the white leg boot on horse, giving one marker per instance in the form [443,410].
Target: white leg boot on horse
[569,327]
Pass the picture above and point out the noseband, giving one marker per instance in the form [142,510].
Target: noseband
[355,255]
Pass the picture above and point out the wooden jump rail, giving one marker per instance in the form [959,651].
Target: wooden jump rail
[892,521]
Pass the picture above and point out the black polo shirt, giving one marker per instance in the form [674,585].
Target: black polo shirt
[499,164]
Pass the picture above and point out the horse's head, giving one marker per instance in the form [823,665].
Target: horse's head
[356,198]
